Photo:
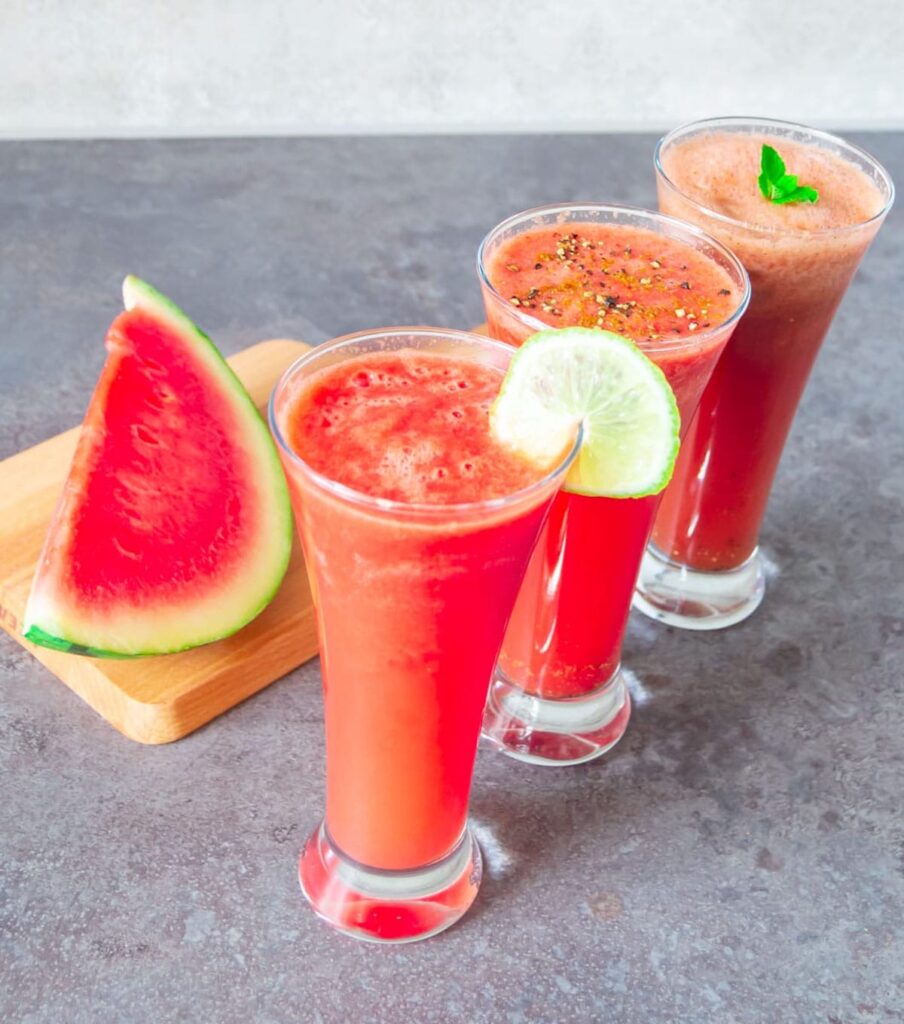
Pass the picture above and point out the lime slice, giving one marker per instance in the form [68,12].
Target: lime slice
[560,380]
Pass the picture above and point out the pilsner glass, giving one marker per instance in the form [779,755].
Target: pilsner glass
[703,569]
[412,602]
[559,696]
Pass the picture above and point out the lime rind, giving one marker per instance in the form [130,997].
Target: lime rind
[560,380]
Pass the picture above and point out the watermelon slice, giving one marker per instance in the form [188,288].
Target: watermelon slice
[174,527]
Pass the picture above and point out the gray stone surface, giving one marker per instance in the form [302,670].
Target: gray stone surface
[739,858]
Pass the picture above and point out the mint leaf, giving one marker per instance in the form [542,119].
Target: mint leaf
[766,187]
[777,185]
[772,164]
[804,194]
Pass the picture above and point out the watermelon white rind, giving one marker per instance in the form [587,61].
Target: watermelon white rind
[174,528]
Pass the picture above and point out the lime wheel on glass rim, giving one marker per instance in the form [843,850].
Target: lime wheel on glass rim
[562,381]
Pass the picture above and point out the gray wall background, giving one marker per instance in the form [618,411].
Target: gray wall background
[239,67]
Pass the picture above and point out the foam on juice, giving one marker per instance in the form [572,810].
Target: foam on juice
[407,426]
[720,170]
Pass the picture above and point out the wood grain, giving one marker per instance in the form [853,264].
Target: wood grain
[157,699]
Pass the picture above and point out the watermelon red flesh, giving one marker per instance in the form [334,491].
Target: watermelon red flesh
[138,487]
[174,526]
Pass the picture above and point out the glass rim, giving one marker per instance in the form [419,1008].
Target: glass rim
[654,216]
[787,127]
[388,505]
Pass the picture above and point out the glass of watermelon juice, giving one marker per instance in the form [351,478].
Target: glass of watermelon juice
[559,696]
[416,526]
[703,569]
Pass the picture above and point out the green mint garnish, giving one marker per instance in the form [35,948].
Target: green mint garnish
[779,187]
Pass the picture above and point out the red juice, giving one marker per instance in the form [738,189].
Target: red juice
[416,526]
[404,692]
[677,296]
[801,258]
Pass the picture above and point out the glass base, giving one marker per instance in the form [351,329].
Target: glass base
[690,599]
[556,732]
[388,906]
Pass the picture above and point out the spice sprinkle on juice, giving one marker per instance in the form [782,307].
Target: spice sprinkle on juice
[629,281]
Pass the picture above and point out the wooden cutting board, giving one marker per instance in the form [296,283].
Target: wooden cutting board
[157,699]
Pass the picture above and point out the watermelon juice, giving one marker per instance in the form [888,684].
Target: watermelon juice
[416,526]
[677,294]
[702,570]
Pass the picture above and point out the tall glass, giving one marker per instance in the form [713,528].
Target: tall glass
[703,569]
[412,602]
[559,696]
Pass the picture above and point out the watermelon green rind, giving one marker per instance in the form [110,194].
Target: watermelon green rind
[62,621]
[55,643]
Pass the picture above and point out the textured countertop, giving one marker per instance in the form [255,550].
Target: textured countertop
[738,858]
